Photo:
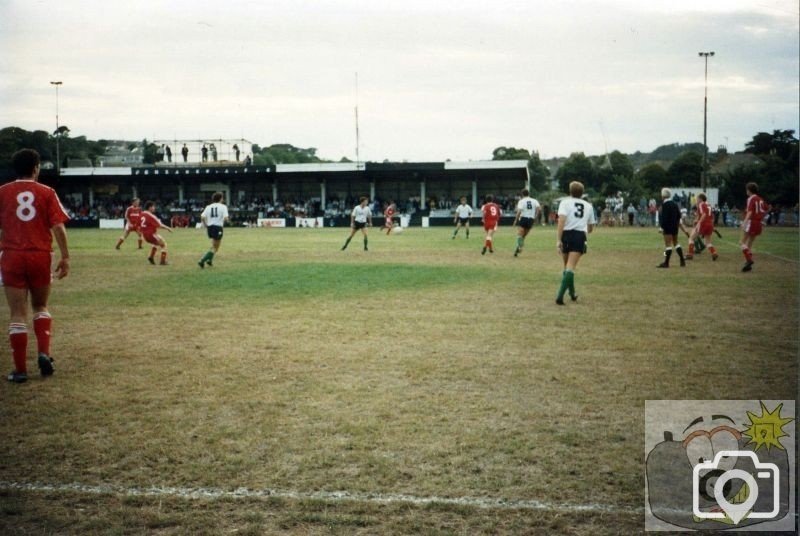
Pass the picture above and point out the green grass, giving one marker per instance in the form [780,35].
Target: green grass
[419,368]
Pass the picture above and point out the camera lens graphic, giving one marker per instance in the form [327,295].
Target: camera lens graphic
[736,511]
[706,479]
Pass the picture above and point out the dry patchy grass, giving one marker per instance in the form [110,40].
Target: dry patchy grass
[417,368]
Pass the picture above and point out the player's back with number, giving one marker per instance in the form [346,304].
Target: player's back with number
[577,213]
[491,214]
[28,210]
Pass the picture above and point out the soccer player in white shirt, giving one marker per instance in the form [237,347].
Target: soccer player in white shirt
[213,217]
[527,210]
[575,221]
[463,214]
[360,218]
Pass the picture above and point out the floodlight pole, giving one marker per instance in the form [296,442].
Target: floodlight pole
[58,134]
[703,177]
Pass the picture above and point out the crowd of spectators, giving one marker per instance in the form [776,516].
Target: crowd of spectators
[613,212]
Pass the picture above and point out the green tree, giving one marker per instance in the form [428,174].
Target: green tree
[653,177]
[686,170]
[780,143]
[576,168]
[538,172]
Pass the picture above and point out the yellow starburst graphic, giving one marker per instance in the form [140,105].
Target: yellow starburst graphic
[767,428]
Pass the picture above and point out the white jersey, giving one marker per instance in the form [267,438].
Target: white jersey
[360,214]
[577,213]
[215,214]
[464,211]
[527,207]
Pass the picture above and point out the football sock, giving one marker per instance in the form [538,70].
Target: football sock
[347,242]
[748,255]
[455,232]
[679,251]
[467,233]
[207,257]
[18,337]
[712,249]
[163,257]
[667,255]
[691,248]
[570,282]
[42,322]
[119,243]
[566,281]
[520,241]
[488,242]
[153,251]
[365,242]
[140,243]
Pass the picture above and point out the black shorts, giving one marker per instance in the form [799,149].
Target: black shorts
[525,223]
[573,241]
[359,225]
[214,232]
[670,231]
[463,221]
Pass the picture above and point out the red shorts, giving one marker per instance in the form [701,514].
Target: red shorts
[132,228]
[706,229]
[490,226]
[26,269]
[753,227]
[153,239]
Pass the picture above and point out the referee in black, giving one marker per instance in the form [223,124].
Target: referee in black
[670,221]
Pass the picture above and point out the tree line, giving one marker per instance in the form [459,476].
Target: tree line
[773,164]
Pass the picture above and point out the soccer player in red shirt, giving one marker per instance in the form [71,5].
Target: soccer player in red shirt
[389,215]
[149,225]
[751,225]
[30,216]
[703,228]
[491,217]
[132,220]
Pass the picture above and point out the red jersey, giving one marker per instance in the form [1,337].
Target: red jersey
[149,223]
[757,207]
[133,215]
[491,214]
[389,212]
[28,210]
[703,209]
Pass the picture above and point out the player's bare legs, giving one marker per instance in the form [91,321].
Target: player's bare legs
[522,232]
[42,326]
[487,243]
[17,299]
[163,246]
[746,244]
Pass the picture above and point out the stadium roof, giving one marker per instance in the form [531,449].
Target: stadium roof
[331,167]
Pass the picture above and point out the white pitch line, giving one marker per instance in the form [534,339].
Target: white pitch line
[735,245]
[330,496]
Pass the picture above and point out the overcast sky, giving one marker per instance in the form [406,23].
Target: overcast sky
[436,79]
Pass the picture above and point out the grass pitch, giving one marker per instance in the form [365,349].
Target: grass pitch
[419,369]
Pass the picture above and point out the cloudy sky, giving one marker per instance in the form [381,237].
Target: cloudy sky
[436,79]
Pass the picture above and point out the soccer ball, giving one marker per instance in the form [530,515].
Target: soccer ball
[398,229]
